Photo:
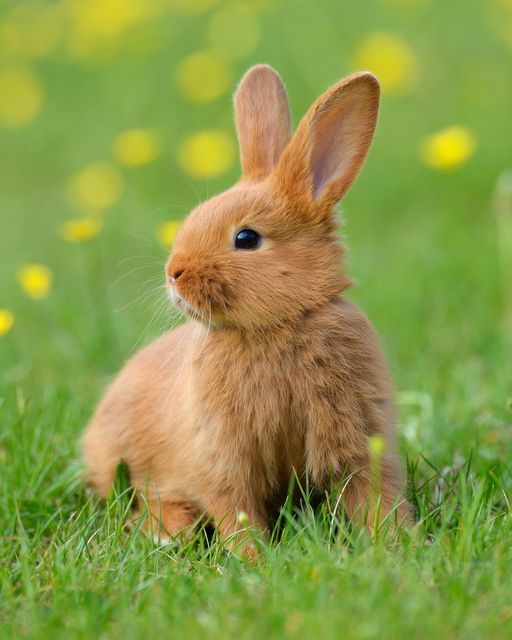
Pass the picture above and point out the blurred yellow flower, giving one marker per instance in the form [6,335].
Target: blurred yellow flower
[32,29]
[391,59]
[448,149]
[35,280]
[234,30]
[6,321]
[500,14]
[192,6]
[137,147]
[262,5]
[21,97]
[95,24]
[166,232]
[95,187]
[203,76]
[243,518]
[206,154]
[376,446]
[80,229]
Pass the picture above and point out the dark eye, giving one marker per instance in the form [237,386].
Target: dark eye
[247,239]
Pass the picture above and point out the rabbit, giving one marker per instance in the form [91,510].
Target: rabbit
[274,372]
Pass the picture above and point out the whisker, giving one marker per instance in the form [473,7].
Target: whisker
[181,175]
[128,273]
[161,308]
[184,337]
[186,361]
[124,260]
[148,241]
[146,294]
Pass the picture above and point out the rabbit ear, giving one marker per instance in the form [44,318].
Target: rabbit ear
[262,120]
[330,145]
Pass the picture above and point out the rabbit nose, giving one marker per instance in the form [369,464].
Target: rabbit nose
[177,274]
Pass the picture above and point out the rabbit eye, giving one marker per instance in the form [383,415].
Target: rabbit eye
[247,239]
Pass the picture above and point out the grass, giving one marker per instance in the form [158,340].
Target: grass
[427,252]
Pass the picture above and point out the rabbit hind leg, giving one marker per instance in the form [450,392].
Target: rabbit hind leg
[360,494]
[170,518]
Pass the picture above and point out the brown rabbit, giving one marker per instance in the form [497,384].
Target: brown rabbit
[274,372]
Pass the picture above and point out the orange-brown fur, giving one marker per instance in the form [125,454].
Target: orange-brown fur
[274,372]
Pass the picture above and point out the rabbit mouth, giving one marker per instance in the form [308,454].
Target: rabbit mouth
[182,304]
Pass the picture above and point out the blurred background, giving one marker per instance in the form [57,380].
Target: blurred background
[116,119]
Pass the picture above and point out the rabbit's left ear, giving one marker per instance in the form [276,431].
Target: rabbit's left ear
[330,145]
[262,119]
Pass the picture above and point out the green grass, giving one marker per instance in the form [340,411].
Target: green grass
[427,252]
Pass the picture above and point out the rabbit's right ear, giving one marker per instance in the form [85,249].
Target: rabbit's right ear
[262,119]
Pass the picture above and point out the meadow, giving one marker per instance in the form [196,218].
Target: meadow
[115,120]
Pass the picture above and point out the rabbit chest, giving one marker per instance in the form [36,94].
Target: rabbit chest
[253,399]
[244,412]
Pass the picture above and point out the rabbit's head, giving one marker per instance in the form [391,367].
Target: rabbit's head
[264,252]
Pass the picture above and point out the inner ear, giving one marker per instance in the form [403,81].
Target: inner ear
[341,134]
[334,147]
[262,120]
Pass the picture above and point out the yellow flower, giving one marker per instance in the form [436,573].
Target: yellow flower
[203,76]
[80,229]
[234,30]
[108,17]
[32,29]
[206,154]
[35,280]
[391,59]
[137,147]
[6,321]
[243,518]
[166,232]
[96,24]
[21,97]
[95,187]
[448,149]
[500,14]
[192,6]
[376,446]
[262,5]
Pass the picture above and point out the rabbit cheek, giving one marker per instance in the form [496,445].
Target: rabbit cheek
[221,295]
[206,292]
